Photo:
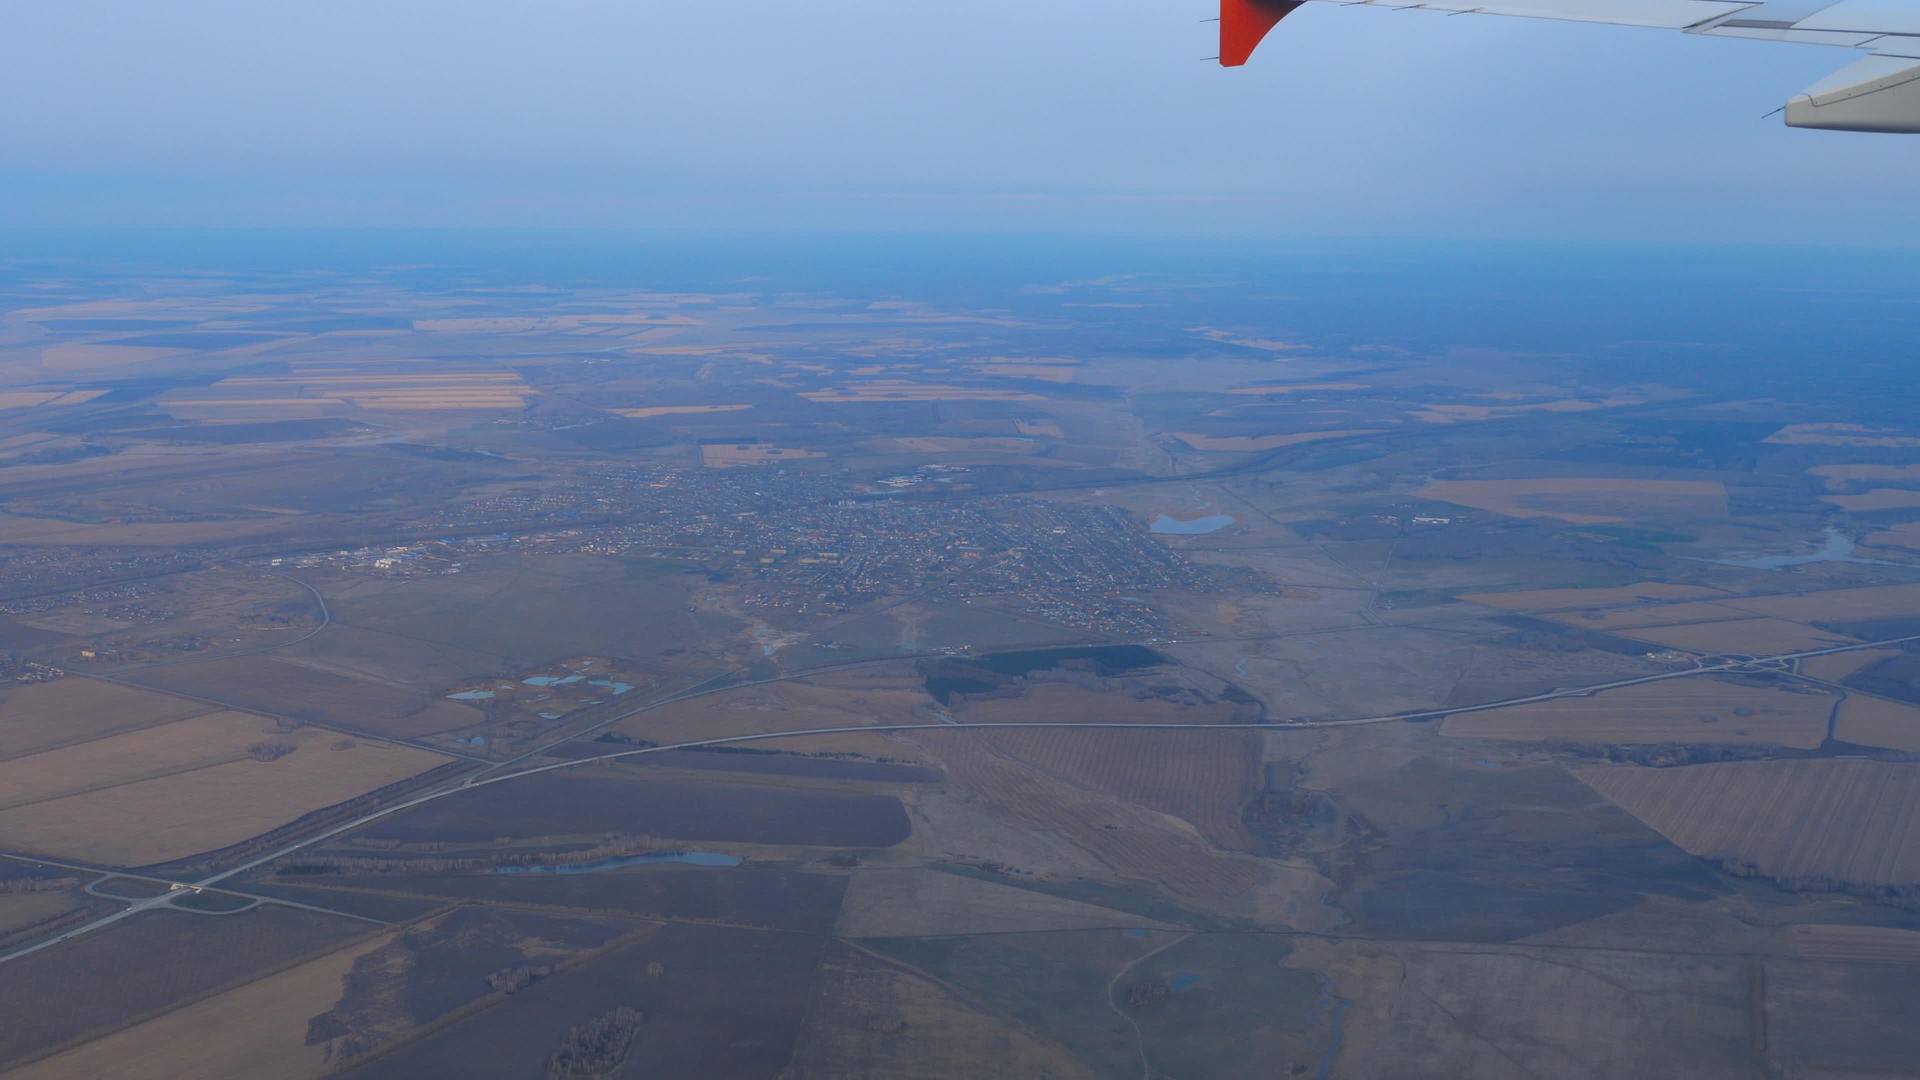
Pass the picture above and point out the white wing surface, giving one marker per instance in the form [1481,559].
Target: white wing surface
[1880,92]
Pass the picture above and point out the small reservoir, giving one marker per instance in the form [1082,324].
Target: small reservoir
[1167,525]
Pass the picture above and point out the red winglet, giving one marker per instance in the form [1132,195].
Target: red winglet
[1244,22]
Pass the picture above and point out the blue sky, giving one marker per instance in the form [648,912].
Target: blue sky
[1072,116]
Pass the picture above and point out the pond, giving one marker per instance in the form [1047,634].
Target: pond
[1200,526]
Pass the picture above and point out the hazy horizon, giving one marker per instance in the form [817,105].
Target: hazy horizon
[1066,118]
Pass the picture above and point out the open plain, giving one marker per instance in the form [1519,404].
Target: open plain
[416,672]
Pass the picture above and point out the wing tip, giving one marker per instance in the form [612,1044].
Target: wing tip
[1245,23]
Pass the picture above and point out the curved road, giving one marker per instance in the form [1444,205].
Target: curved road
[471,784]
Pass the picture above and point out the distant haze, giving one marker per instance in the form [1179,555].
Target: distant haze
[1087,116]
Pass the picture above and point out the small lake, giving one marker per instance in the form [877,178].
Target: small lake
[1173,526]
[1838,547]
[689,858]
[471,695]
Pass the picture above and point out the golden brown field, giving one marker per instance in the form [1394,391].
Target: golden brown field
[1905,535]
[1452,414]
[1042,372]
[87,357]
[1202,777]
[1882,944]
[901,390]
[41,716]
[161,750]
[163,792]
[1586,500]
[252,1031]
[1872,721]
[671,410]
[518,324]
[1838,476]
[1043,428]
[1627,618]
[1840,665]
[374,389]
[27,399]
[1245,443]
[1850,820]
[1674,710]
[729,455]
[1298,388]
[24,530]
[1840,605]
[1877,499]
[1566,598]
[1751,637]
[245,402]
[1839,435]
[942,444]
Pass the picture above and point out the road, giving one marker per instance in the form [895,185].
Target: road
[471,784]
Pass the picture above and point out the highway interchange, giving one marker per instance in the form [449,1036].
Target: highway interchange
[1782,662]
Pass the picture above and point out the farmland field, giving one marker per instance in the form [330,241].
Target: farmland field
[42,716]
[881,694]
[1248,443]
[197,742]
[672,410]
[1137,844]
[1570,598]
[1840,666]
[1850,1018]
[1853,821]
[259,1029]
[1840,605]
[1882,944]
[310,693]
[883,390]
[1839,476]
[1752,637]
[1056,984]
[917,902]
[1418,1012]
[1203,777]
[1674,710]
[873,1020]
[1608,619]
[559,805]
[740,896]
[195,785]
[717,1002]
[717,456]
[1586,500]
[1877,499]
[941,444]
[1840,435]
[1064,703]
[145,965]
[1872,721]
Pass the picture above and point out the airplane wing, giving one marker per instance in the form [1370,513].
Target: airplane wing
[1880,92]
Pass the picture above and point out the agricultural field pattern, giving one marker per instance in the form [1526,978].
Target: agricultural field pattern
[419,672]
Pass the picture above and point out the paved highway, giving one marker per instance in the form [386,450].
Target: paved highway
[166,899]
